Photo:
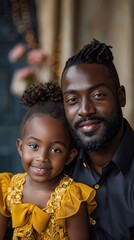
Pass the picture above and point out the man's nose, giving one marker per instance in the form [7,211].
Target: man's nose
[86,107]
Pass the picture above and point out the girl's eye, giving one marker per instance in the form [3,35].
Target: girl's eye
[55,150]
[33,146]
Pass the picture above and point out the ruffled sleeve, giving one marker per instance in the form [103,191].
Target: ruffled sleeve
[5,179]
[75,194]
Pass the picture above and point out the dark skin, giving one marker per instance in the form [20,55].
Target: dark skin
[89,90]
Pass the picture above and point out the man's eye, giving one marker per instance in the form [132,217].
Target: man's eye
[98,95]
[71,100]
[55,150]
[33,146]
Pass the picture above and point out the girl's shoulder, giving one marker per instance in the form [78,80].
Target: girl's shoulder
[10,185]
[8,179]
[71,195]
[16,187]
[68,197]
[5,181]
[18,179]
[5,177]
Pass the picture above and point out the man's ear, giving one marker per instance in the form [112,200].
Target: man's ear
[72,155]
[122,96]
[19,146]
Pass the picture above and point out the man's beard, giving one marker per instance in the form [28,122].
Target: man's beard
[111,129]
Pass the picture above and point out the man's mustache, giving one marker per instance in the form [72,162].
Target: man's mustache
[84,119]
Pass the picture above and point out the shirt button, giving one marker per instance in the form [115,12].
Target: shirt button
[85,165]
[93,222]
[96,186]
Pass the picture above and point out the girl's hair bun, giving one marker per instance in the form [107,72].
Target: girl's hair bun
[48,91]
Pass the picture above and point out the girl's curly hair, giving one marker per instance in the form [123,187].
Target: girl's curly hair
[48,91]
[43,98]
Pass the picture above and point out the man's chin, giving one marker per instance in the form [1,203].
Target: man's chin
[87,142]
[88,138]
[92,143]
[93,146]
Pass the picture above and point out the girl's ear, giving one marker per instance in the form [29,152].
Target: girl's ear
[122,96]
[72,155]
[19,146]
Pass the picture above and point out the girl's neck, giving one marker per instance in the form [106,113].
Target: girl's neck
[39,193]
[47,186]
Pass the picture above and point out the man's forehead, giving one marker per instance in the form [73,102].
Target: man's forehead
[81,73]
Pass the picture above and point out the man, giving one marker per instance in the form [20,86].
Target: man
[93,98]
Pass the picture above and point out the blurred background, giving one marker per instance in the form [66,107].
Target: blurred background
[38,36]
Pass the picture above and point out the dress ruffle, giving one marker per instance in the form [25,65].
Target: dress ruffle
[72,199]
[5,179]
[70,196]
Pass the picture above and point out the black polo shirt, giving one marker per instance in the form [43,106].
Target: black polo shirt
[114,215]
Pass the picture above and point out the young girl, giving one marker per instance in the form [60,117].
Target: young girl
[43,202]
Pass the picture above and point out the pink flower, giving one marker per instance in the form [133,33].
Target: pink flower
[22,78]
[37,57]
[26,72]
[17,52]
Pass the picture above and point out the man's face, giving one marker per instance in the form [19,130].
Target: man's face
[92,104]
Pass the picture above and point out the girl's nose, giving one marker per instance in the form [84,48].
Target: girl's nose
[42,156]
[41,159]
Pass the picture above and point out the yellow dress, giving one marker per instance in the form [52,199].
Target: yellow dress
[31,222]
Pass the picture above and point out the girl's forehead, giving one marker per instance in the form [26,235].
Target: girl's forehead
[43,120]
[47,131]
[45,123]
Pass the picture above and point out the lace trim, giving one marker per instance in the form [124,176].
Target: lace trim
[55,200]
[15,189]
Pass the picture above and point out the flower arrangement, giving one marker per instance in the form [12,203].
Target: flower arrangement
[36,60]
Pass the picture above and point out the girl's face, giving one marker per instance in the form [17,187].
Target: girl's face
[45,148]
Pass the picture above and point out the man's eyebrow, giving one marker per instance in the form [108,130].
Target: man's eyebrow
[90,88]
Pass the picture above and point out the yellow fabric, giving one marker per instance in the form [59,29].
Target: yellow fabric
[30,212]
[31,222]
[75,195]
[5,179]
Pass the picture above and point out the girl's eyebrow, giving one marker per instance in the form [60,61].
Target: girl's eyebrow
[34,138]
[54,142]
[59,142]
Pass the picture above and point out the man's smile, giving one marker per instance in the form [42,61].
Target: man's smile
[89,125]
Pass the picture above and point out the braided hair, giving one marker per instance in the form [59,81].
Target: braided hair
[94,52]
[43,98]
